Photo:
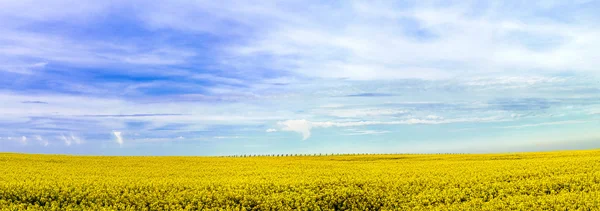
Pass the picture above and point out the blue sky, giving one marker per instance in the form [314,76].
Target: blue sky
[272,77]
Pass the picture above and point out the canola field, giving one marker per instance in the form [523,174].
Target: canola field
[566,180]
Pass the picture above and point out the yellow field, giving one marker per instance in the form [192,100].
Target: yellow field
[529,181]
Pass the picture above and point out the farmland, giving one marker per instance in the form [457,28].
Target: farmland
[522,181]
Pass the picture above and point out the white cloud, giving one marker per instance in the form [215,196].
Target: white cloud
[566,122]
[118,137]
[366,132]
[513,80]
[361,41]
[48,48]
[23,68]
[300,126]
[349,113]
[76,139]
[23,140]
[434,117]
[304,127]
[90,114]
[373,45]
[332,106]
[28,10]
[67,141]
[42,141]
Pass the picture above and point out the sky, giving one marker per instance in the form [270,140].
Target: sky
[296,77]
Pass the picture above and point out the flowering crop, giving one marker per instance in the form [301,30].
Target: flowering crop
[524,181]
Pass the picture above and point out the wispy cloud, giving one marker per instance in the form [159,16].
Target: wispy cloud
[130,115]
[430,39]
[567,122]
[23,68]
[118,137]
[42,141]
[363,112]
[34,102]
[513,81]
[76,139]
[304,127]
[434,117]
[370,95]
[226,69]
[365,132]
[67,141]
[518,126]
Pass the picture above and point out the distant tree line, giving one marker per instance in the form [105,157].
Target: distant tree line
[334,154]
